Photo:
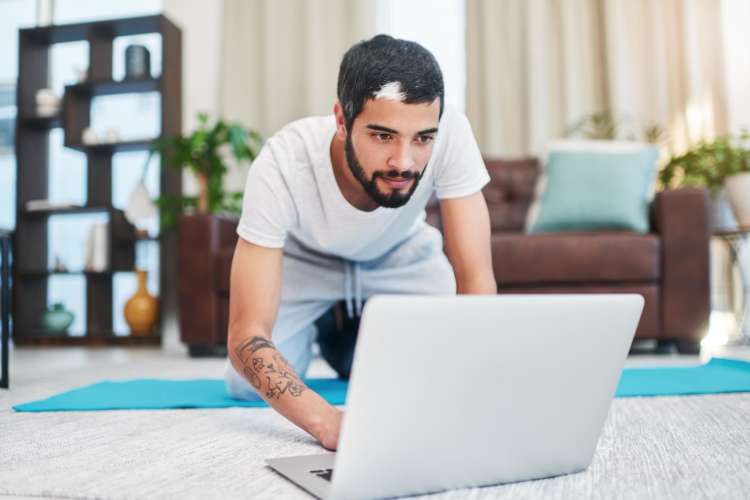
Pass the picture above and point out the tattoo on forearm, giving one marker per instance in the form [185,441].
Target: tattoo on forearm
[252,377]
[255,343]
[279,375]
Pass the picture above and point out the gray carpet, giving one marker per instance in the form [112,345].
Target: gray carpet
[665,448]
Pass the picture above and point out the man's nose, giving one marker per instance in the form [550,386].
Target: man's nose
[403,159]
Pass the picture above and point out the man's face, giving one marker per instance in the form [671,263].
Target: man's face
[388,148]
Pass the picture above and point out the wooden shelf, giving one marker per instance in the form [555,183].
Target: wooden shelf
[113,87]
[69,211]
[106,339]
[31,247]
[110,28]
[41,122]
[114,147]
[50,272]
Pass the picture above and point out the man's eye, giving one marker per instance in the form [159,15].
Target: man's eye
[383,137]
[425,139]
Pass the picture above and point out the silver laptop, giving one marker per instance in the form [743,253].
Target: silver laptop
[461,391]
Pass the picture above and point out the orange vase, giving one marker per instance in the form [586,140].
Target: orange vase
[142,310]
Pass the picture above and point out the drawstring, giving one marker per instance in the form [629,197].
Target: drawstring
[347,288]
[357,289]
[352,289]
[352,279]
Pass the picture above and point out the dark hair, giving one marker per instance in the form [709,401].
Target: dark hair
[370,64]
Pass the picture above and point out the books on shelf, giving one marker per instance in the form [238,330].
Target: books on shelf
[97,248]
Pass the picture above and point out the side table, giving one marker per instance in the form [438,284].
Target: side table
[735,240]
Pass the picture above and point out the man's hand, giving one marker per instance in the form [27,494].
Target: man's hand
[253,305]
[329,429]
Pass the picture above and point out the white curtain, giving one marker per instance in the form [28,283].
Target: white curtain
[534,67]
[280,58]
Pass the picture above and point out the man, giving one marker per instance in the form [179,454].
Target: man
[334,210]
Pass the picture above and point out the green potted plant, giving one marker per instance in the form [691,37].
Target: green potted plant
[714,164]
[205,223]
[605,126]
[206,152]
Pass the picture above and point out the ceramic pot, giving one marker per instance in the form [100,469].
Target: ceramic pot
[137,62]
[738,192]
[57,319]
[142,309]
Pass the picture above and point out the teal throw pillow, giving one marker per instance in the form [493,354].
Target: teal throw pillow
[596,190]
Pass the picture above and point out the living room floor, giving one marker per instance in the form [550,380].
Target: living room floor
[673,447]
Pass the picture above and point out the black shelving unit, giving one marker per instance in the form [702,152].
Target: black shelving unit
[30,246]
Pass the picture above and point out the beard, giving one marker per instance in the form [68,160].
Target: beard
[396,198]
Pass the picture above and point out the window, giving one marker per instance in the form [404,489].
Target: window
[439,26]
[14,14]
[736,39]
[74,11]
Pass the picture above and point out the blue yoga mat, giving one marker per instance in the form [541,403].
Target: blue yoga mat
[717,376]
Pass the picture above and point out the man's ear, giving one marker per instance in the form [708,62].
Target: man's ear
[338,112]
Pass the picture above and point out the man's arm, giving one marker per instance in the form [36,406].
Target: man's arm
[255,291]
[466,227]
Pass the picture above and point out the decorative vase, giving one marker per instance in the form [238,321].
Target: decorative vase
[738,192]
[137,62]
[57,319]
[142,309]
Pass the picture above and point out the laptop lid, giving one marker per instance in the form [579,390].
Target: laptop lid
[461,391]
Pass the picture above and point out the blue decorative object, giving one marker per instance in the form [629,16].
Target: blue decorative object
[57,319]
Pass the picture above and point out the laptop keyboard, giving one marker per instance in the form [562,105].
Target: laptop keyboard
[323,473]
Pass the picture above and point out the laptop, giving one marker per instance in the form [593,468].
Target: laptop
[462,391]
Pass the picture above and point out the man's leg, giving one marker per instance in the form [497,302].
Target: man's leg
[337,335]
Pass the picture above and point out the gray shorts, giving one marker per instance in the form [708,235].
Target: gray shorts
[313,282]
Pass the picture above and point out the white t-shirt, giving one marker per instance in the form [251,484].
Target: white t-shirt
[291,189]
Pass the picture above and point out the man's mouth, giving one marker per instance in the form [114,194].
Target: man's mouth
[396,183]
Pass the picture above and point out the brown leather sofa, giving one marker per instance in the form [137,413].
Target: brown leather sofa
[669,266]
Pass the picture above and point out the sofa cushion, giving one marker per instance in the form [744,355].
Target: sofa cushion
[510,191]
[575,258]
[594,186]
[508,194]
